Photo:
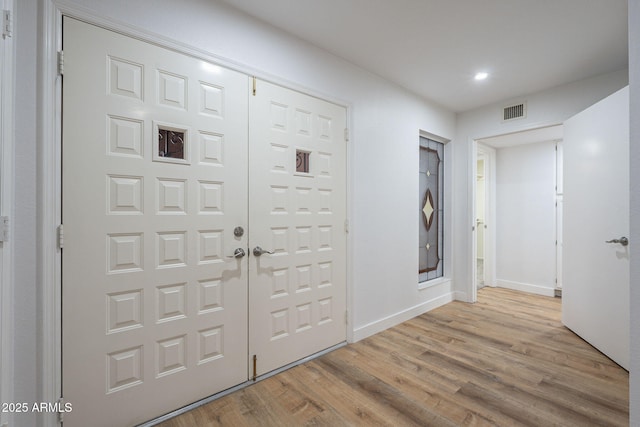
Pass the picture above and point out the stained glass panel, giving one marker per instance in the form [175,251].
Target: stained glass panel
[430,247]
[302,161]
[170,143]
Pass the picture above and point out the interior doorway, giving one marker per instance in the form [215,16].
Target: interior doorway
[484,217]
[517,180]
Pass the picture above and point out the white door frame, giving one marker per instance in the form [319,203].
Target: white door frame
[472,287]
[7,61]
[50,198]
[559,214]
[490,217]
[490,213]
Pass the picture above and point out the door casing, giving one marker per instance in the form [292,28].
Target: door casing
[489,264]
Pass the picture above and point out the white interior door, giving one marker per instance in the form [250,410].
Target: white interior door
[154,183]
[297,211]
[595,289]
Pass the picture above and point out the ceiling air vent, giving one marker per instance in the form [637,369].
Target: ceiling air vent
[513,112]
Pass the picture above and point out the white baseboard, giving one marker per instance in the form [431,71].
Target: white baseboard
[526,287]
[395,319]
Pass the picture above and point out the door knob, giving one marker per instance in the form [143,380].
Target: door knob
[238,253]
[257,251]
[623,241]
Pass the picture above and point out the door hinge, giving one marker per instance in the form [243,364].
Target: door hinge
[60,236]
[346,317]
[7,24]
[61,409]
[61,62]
[255,366]
[254,86]
[346,134]
[346,226]
[4,228]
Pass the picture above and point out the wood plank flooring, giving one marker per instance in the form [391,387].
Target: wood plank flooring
[504,361]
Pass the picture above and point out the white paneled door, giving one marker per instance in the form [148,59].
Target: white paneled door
[297,301]
[154,311]
[163,301]
[595,288]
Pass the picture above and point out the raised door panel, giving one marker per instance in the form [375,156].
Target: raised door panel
[297,207]
[154,161]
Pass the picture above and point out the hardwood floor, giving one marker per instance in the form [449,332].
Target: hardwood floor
[505,361]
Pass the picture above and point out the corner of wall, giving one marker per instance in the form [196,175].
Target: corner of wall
[402,316]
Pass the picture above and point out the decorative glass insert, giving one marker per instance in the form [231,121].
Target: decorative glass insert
[431,174]
[302,161]
[170,143]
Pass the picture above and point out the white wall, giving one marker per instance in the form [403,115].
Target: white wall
[25,209]
[544,108]
[634,88]
[385,125]
[525,218]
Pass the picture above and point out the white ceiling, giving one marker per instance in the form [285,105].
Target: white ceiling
[434,47]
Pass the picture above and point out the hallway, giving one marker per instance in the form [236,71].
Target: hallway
[506,360]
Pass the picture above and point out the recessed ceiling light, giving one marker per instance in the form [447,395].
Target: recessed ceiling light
[481,75]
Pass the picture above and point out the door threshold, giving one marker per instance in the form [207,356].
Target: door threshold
[238,387]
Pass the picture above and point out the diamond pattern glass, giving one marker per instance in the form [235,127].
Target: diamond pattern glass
[431,175]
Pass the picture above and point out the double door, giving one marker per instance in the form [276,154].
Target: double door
[204,227]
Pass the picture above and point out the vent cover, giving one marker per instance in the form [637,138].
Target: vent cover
[516,111]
